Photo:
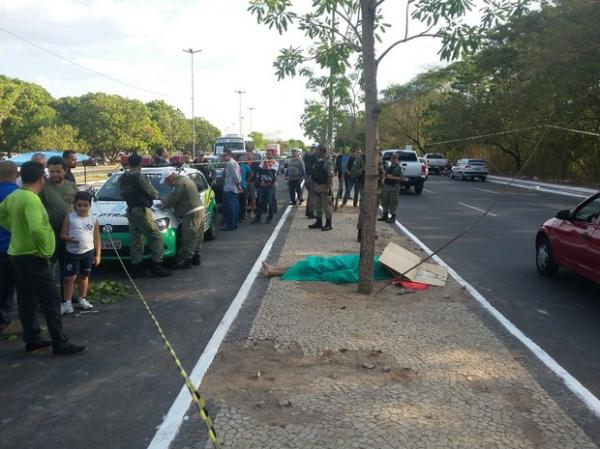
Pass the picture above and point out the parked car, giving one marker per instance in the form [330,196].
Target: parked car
[110,208]
[469,169]
[414,172]
[436,162]
[571,240]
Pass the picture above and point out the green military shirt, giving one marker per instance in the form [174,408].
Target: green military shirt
[394,170]
[144,184]
[329,166]
[184,196]
[58,201]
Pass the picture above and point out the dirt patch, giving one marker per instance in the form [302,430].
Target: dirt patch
[262,378]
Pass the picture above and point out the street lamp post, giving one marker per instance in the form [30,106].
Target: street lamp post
[191,52]
[240,93]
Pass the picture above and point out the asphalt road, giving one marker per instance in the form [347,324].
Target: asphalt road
[115,395]
[562,315]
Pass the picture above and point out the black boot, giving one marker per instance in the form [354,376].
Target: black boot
[196,260]
[392,219]
[137,270]
[327,226]
[158,271]
[384,217]
[317,224]
[358,235]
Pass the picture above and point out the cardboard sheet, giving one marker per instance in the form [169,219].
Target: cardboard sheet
[399,260]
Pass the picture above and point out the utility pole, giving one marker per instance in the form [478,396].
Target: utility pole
[240,93]
[191,52]
[251,110]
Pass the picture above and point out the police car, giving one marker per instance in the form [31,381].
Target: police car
[111,211]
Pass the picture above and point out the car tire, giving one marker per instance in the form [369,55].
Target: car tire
[419,188]
[483,178]
[544,258]
[211,232]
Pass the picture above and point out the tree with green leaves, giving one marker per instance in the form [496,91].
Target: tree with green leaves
[173,125]
[57,137]
[358,24]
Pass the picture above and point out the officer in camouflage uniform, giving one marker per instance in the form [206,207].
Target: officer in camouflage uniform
[391,190]
[322,178]
[310,159]
[187,205]
[138,193]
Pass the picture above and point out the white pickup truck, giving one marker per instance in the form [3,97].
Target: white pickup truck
[436,162]
[414,172]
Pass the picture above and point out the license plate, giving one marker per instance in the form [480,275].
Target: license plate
[106,244]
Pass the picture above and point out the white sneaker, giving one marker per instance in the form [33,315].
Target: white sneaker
[66,307]
[84,304]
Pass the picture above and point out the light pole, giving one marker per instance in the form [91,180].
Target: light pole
[251,110]
[191,52]
[240,93]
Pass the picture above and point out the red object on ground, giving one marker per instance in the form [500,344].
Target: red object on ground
[410,285]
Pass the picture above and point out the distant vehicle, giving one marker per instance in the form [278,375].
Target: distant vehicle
[424,162]
[232,142]
[466,169]
[436,162]
[275,147]
[571,240]
[414,173]
[110,208]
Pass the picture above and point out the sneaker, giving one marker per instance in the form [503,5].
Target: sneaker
[32,348]
[84,304]
[69,349]
[66,308]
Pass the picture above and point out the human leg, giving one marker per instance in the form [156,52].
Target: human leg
[136,238]
[272,203]
[7,290]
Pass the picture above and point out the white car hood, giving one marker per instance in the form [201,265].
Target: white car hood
[114,213]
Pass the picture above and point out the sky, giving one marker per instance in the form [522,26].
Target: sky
[141,42]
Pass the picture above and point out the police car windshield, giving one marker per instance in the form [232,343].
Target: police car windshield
[110,190]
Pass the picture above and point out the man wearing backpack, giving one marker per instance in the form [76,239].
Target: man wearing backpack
[322,178]
[294,175]
[267,177]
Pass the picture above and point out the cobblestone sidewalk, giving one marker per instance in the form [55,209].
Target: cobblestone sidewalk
[324,367]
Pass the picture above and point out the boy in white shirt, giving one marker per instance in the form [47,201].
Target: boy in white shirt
[82,234]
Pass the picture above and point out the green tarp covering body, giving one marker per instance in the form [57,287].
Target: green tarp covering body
[335,269]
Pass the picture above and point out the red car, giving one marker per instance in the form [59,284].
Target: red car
[571,240]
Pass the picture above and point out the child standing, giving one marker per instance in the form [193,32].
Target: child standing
[82,234]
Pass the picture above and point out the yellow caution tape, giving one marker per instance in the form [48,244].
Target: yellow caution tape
[196,396]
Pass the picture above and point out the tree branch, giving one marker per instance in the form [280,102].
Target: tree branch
[350,24]
[407,19]
[330,29]
[425,33]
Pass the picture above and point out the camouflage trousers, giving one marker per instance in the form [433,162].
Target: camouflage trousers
[310,198]
[192,235]
[389,199]
[141,224]
[322,201]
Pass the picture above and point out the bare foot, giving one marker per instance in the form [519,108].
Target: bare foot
[266,269]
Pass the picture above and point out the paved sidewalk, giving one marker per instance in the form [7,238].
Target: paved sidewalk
[324,367]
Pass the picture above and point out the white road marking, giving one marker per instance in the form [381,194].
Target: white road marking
[169,428]
[488,191]
[591,401]
[538,188]
[477,209]
[428,191]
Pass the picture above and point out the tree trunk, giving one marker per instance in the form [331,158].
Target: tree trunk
[331,89]
[368,203]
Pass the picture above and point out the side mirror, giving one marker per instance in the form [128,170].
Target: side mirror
[564,215]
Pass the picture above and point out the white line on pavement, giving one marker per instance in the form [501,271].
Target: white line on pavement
[591,401]
[428,191]
[169,428]
[538,188]
[488,191]
[477,209]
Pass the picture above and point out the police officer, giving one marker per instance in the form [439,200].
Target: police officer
[322,178]
[138,193]
[186,204]
[310,159]
[391,190]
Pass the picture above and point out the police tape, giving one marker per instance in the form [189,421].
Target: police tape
[196,396]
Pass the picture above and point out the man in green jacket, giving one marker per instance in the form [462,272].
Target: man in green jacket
[187,205]
[139,194]
[32,244]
